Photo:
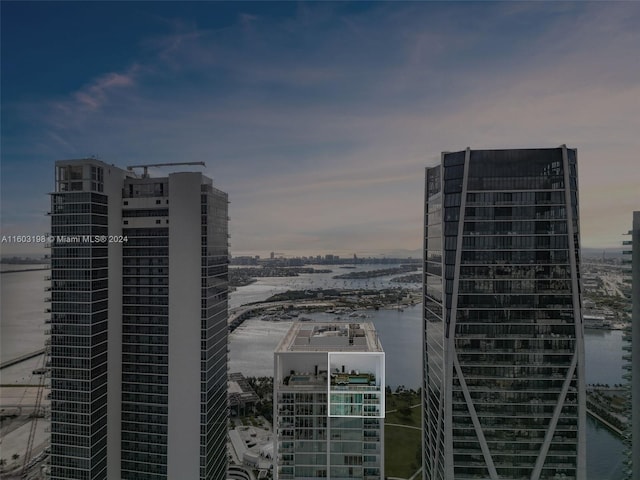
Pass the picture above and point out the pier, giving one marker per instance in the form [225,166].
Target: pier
[611,427]
[604,405]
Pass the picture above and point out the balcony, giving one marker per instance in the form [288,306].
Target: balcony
[350,389]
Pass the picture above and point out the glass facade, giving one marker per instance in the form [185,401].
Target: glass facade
[78,345]
[433,305]
[631,348]
[313,445]
[302,435]
[213,334]
[503,332]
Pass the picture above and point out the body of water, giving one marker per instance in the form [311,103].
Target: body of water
[252,344]
[22,312]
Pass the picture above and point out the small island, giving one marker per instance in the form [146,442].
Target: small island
[378,273]
[240,277]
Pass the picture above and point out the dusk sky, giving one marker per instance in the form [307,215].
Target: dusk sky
[319,119]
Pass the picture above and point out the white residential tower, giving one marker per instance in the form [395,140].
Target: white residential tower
[329,389]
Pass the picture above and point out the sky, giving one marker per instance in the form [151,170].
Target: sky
[319,118]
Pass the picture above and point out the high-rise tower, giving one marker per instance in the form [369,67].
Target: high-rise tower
[328,403]
[138,325]
[632,347]
[503,393]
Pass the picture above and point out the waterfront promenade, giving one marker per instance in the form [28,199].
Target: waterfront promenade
[605,423]
[606,405]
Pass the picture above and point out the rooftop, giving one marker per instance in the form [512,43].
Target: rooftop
[239,391]
[331,337]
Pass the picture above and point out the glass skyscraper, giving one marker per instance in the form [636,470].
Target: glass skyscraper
[503,392]
[138,325]
[632,348]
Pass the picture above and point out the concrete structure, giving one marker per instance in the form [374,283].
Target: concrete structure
[632,357]
[503,393]
[329,388]
[138,325]
[242,398]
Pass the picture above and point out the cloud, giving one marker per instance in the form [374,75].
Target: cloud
[72,111]
[96,94]
[320,129]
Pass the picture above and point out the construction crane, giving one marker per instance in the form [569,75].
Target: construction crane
[145,173]
[37,412]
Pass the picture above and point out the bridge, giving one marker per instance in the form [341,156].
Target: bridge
[238,315]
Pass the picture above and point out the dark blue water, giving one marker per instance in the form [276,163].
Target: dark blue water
[604,453]
[603,364]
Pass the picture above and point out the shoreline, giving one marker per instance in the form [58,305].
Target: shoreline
[605,424]
[25,270]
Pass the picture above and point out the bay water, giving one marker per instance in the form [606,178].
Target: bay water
[252,344]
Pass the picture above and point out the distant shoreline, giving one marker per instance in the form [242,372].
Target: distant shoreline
[24,270]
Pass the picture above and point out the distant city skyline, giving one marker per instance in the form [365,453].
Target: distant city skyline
[609,253]
[318,119]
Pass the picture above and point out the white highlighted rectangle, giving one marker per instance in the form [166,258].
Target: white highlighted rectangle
[356,384]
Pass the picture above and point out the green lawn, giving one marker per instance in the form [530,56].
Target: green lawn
[402,445]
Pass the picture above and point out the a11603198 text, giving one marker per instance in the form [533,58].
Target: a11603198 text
[63,239]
